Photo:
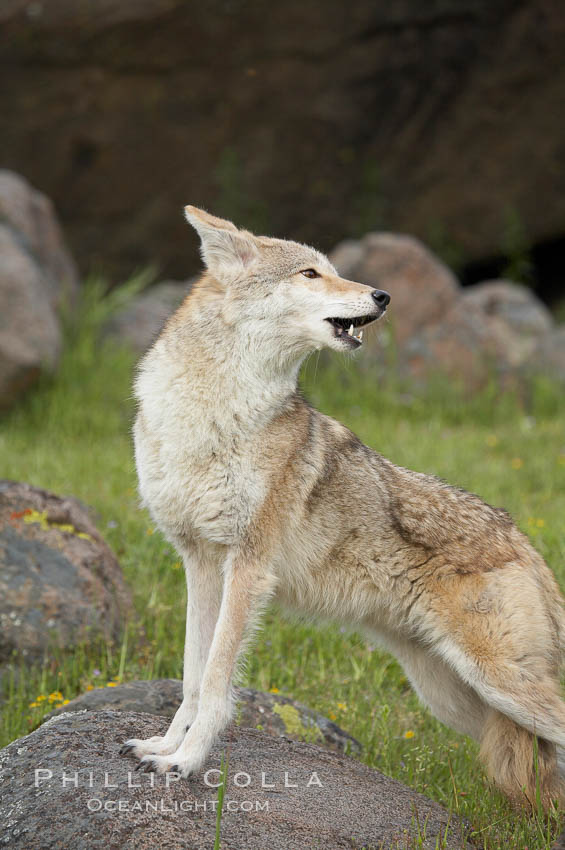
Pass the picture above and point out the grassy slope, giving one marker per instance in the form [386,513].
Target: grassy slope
[72,436]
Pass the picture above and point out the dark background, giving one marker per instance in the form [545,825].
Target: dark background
[304,119]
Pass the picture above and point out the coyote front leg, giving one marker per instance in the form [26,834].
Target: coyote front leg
[204,594]
[246,586]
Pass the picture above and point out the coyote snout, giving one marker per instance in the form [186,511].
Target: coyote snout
[344,327]
[265,497]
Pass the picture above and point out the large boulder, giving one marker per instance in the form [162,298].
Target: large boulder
[138,324]
[466,345]
[495,329]
[30,336]
[65,785]
[422,288]
[37,279]
[60,583]
[425,117]
[516,306]
[274,714]
[30,215]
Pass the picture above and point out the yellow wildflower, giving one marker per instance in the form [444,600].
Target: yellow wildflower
[33,704]
[176,565]
[90,687]
[342,706]
[332,716]
[65,702]
[517,463]
[275,690]
[150,531]
[540,523]
[409,733]
[112,684]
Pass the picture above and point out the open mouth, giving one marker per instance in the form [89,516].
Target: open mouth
[345,328]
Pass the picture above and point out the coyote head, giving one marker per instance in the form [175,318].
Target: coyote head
[283,293]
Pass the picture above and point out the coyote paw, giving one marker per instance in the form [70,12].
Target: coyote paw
[162,745]
[162,764]
[188,759]
[158,745]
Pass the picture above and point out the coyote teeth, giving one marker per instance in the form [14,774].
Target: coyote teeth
[350,331]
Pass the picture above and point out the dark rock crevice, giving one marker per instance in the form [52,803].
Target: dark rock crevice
[544,269]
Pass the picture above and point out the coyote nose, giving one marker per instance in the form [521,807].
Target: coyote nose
[381,298]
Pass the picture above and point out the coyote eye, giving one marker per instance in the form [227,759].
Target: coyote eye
[310,273]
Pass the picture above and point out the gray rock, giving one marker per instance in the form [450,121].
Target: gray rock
[37,277]
[141,321]
[30,337]
[548,357]
[515,305]
[328,800]
[466,345]
[274,714]
[422,288]
[30,214]
[59,581]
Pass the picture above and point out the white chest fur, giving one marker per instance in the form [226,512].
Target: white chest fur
[198,450]
[194,482]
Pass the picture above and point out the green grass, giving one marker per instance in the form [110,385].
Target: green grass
[72,435]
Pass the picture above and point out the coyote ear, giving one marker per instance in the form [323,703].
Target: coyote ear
[223,245]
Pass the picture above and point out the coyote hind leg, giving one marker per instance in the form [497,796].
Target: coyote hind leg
[525,716]
[522,766]
[440,688]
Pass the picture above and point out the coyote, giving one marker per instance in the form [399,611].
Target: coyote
[266,498]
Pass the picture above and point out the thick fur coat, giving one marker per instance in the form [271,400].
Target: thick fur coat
[264,497]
